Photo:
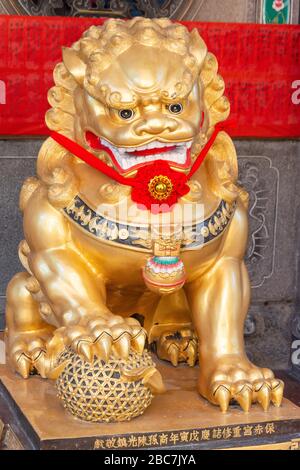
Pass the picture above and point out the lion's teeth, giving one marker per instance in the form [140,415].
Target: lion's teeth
[126,161]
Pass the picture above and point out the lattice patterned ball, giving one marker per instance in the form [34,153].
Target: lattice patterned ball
[99,391]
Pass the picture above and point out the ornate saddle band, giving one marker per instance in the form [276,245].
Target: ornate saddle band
[139,237]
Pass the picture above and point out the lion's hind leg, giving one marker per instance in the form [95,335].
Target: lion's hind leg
[26,332]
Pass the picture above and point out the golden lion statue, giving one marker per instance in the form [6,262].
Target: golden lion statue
[140,96]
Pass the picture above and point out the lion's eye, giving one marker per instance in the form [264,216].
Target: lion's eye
[126,113]
[175,108]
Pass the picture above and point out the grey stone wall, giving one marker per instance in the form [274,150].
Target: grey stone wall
[17,161]
[270,171]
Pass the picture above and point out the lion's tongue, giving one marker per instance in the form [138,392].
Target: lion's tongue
[154,151]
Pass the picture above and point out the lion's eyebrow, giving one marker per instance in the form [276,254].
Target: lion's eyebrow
[180,91]
[122,104]
[125,97]
[114,99]
[169,99]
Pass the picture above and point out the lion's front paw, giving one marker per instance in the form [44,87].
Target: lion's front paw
[238,380]
[178,346]
[27,352]
[102,337]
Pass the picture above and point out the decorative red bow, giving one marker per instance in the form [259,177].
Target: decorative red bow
[155,186]
[158,187]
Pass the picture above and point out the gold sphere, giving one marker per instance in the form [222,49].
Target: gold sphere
[102,391]
[161,188]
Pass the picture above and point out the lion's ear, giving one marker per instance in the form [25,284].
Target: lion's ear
[197,46]
[74,64]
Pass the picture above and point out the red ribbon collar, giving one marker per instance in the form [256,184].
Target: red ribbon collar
[155,186]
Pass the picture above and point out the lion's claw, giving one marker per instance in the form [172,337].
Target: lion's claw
[262,394]
[178,346]
[173,352]
[26,362]
[103,345]
[101,337]
[84,347]
[222,396]
[256,386]
[277,387]
[138,340]
[224,393]
[22,364]
[28,354]
[39,361]
[192,353]
[242,393]
[121,345]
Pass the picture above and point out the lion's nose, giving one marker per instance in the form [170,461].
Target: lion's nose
[155,125]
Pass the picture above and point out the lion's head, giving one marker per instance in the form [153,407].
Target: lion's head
[140,90]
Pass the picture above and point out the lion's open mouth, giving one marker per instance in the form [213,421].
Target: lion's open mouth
[169,152]
[177,154]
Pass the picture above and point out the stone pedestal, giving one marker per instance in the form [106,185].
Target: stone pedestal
[34,418]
